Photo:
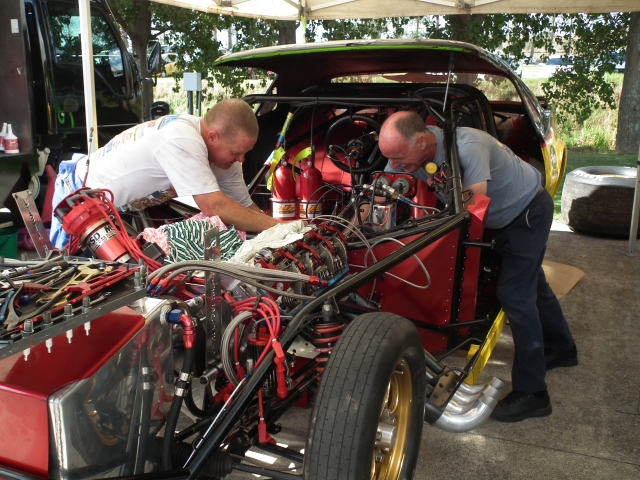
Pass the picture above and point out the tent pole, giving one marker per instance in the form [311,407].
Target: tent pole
[87,73]
[636,211]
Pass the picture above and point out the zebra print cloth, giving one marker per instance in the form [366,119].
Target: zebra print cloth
[185,241]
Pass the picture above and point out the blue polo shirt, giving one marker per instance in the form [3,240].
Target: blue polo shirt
[511,182]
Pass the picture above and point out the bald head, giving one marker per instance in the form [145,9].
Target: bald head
[406,142]
[405,124]
[230,117]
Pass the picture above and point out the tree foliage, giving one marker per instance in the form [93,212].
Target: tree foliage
[593,43]
[193,37]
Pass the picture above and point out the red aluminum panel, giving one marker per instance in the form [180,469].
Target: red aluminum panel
[26,385]
[430,306]
[478,213]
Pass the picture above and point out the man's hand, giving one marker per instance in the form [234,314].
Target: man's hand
[232,213]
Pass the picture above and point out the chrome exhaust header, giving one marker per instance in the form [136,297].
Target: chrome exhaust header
[466,408]
[453,405]
[468,420]
[456,407]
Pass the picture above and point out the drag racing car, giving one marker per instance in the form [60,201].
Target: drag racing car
[344,310]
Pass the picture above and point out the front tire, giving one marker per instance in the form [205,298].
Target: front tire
[367,419]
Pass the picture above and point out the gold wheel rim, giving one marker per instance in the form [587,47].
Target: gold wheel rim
[396,411]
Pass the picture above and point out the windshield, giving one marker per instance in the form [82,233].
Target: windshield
[494,87]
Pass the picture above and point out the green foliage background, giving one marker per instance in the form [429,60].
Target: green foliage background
[592,42]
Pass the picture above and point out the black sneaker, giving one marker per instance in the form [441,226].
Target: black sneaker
[568,358]
[521,405]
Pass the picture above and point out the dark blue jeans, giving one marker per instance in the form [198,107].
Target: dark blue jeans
[535,316]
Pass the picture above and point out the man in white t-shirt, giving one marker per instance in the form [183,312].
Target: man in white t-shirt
[174,156]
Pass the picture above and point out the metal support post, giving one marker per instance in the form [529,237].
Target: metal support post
[213,297]
[636,211]
[634,408]
[88,81]
[198,103]
[190,103]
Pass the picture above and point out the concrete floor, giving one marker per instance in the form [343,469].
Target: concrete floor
[586,436]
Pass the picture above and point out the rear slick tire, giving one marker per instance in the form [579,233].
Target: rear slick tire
[599,200]
[374,382]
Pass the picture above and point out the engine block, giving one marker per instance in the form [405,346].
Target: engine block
[322,252]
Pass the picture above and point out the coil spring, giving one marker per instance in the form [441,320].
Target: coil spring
[325,336]
[288,303]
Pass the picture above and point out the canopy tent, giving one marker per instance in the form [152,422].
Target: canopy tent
[338,9]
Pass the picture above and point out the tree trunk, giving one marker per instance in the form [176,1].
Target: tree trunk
[628,135]
[287,34]
[464,28]
[140,32]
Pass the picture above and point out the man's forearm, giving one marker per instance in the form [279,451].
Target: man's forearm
[233,213]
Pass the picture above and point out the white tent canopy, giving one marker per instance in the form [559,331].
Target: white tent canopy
[338,9]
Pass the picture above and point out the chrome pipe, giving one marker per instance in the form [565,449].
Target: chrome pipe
[463,422]
[464,398]
[468,394]
[471,389]
[456,407]
[496,383]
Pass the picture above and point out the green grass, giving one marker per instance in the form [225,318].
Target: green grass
[582,157]
[599,130]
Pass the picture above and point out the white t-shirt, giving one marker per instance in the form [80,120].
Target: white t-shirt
[159,160]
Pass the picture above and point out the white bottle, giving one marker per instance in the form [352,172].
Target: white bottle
[2,134]
[10,142]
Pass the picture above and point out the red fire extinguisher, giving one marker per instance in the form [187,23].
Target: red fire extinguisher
[310,190]
[284,197]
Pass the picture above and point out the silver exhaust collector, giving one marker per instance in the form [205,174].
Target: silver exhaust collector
[468,407]
[463,422]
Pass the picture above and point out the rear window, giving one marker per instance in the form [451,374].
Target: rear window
[495,87]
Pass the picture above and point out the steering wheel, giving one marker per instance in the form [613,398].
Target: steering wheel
[359,155]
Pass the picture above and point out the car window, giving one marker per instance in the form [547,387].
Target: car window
[497,88]
[494,87]
[65,26]
[68,87]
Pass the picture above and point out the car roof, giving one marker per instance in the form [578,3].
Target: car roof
[312,63]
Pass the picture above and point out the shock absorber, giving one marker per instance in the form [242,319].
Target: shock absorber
[326,332]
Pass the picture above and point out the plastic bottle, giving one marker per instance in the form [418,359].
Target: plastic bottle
[10,142]
[2,134]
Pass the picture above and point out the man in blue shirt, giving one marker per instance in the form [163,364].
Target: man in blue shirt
[519,220]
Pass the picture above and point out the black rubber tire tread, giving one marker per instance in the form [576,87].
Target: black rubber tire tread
[345,416]
[599,200]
